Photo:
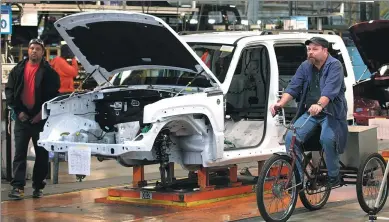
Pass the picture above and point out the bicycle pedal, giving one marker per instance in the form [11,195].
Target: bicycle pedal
[337,186]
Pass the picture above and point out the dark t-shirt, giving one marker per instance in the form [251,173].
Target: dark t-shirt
[314,93]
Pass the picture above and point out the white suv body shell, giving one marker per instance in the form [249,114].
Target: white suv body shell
[71,114]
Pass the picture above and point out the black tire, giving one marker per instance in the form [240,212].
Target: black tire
[360,183]
[304,196]
[260,189]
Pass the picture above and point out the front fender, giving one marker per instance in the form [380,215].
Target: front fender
[199,103]
[211,105]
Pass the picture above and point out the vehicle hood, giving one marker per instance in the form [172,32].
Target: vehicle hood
[371,40]
[108,42]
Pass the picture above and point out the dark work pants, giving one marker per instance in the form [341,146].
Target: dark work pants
[24,131]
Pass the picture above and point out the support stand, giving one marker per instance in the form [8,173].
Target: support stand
[138,177]
[203,179]
[207,185]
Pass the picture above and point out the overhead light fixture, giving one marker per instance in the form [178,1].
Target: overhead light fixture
[211,21]
[383,70]
[193,21]
[245,22]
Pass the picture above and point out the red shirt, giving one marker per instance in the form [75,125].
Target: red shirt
[66,73]
[28,93]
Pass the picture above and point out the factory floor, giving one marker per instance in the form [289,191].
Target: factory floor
[80,206]
[70,200]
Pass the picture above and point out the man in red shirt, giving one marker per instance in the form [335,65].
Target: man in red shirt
[30,83]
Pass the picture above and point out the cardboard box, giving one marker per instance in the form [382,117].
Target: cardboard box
[382,127]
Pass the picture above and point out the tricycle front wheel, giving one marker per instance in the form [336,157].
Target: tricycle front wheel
[276,198]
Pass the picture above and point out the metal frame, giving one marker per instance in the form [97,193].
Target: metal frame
[89,7]
[185,192]
[265,32]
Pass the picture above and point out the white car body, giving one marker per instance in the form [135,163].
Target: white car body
[197,120]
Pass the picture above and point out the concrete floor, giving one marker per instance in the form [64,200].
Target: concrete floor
[341,211]
[80,206]
[74,201]
[103,174]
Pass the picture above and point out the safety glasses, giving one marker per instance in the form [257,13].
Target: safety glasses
[37,41]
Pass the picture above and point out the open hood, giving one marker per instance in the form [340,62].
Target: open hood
[108,42]
[372,40]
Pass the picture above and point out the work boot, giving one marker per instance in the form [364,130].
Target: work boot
[16,194]
[334,181]
[37,193]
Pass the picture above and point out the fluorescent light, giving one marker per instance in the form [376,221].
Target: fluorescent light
[211,21]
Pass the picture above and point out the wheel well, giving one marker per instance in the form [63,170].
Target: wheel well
[189,138]
[182,127]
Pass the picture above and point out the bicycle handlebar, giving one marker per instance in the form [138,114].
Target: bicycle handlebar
[291,126]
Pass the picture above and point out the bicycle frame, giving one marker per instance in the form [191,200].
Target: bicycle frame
[295,157]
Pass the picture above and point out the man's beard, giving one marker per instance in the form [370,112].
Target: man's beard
[313,60]
[35,60]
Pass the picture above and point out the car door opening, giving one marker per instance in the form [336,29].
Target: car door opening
[246,105]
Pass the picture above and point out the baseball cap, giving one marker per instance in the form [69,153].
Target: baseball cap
[318,41]
[37,41]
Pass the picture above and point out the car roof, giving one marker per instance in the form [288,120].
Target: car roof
[229,37]
[232,37]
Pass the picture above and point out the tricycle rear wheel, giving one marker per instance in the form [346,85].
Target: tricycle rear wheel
[316,193]
[369,178]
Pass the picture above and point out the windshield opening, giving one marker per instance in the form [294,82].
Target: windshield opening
[216,56]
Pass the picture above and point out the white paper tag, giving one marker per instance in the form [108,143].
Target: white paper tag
[144,194]
[79,160]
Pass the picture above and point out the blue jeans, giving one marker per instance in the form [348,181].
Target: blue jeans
[327,141]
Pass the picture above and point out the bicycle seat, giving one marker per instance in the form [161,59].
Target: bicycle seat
[313,142]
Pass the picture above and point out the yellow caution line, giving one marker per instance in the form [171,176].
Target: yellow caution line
[173,203]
